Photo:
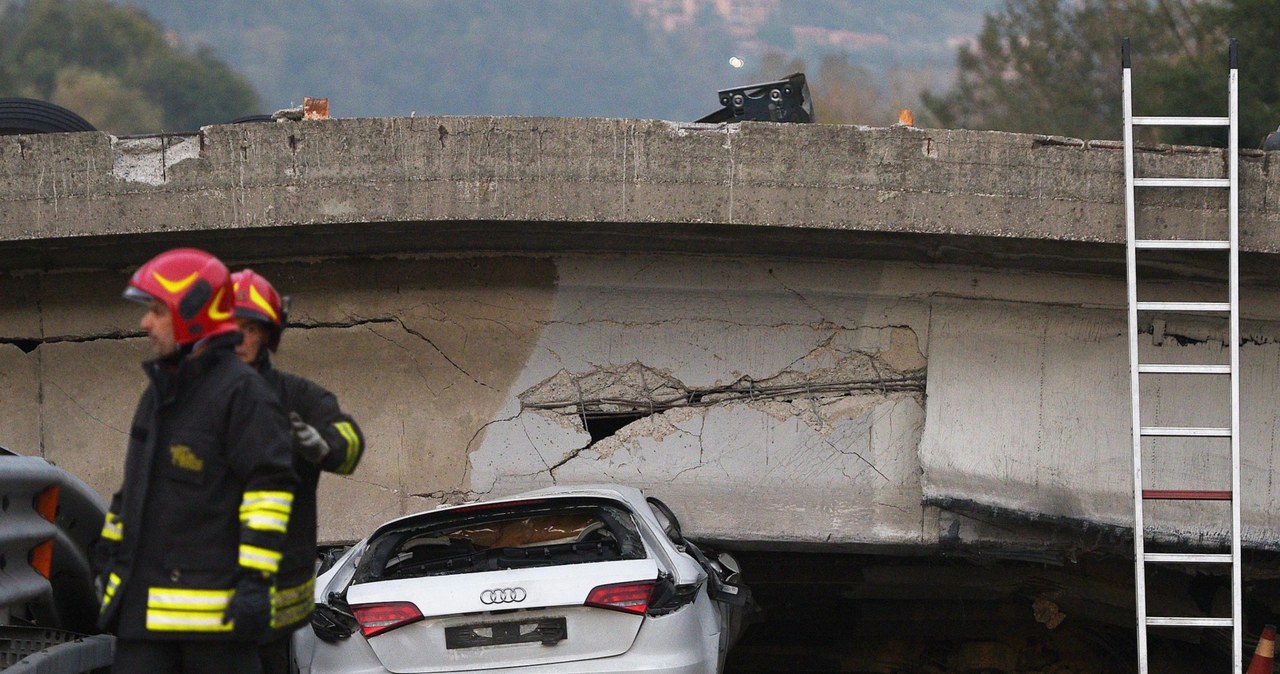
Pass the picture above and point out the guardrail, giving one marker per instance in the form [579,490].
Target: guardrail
[48,520]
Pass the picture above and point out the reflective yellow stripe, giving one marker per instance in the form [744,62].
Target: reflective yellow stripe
[266,510]
[112,529]
[292,616]
[304,592]
[113,583]
[279,501]
[254,557]
[265,521]
[187,600]
[187,621]
[174,609]
[292,605]
[176,286]
[353,446]
[257,298]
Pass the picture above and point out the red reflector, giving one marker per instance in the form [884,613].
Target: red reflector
[46,502]
[628,597]
[46,505]
[41,558]
[375,619]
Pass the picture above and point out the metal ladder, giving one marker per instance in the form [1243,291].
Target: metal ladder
[1231,308]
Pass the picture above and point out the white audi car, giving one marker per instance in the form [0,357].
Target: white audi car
[564,580]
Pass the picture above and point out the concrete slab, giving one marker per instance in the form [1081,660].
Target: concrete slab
[1047,435]
[506,183]
[20,390]
[91,390]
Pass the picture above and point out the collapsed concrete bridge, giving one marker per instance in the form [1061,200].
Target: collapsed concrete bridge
[803,337]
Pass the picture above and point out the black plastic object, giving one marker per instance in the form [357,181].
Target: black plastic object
[250,119]
[29,115]
[546,631]
[785,100]
[333,622]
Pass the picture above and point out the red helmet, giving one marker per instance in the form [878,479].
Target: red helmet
[194,285]
[257,300]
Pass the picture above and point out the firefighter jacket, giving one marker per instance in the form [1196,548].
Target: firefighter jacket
[294,596]
[208,489]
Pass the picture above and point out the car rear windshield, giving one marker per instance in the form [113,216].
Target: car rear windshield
[490,537]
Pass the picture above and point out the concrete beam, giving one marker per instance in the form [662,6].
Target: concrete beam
[367,186]
[473,288]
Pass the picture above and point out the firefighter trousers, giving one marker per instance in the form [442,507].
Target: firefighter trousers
[185,657]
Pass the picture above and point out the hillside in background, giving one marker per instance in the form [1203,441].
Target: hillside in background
[113,66]
[598,58]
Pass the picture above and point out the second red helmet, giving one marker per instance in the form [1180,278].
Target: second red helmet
[257,300]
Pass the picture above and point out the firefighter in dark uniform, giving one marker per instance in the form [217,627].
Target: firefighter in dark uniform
[324,439]
[193,540]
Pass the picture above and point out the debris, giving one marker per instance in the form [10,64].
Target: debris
[315,108]
[291,114]
[311,109]
[1047,612]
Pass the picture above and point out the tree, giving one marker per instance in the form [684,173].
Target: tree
[1052,66]
[1254,24]
[115,67]
[104,100]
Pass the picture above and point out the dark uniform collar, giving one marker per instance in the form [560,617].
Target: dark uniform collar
[263,362]
[171,373]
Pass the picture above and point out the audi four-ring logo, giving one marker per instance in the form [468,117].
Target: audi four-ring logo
[503,595]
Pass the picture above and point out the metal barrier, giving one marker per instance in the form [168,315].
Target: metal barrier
[43,652]
[48,520]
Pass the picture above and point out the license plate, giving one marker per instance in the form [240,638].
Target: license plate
[545,631]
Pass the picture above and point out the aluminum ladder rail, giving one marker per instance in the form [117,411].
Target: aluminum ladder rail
[1231,308]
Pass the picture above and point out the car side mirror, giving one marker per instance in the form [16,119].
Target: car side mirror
[732,570]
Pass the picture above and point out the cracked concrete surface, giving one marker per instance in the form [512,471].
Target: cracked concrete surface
[785,403]
[774,393]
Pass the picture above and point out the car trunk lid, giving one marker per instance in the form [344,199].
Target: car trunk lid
[507,618]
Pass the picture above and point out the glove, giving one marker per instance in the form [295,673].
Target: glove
[250,607]
[307,441]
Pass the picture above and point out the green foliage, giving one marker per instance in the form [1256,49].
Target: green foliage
[115,67]
[1052,66]
[1256,24]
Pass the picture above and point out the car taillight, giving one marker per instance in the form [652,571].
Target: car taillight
[627,597]
[669,597]
[375,619]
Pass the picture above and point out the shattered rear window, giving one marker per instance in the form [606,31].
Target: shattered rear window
[491,537]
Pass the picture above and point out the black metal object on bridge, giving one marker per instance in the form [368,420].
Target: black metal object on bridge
[785,100]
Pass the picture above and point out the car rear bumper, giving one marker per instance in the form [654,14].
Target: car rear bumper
[671,646]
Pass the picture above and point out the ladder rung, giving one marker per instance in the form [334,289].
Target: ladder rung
[1190,622]
[1185,495]
[1184,306]
[1189,557]
[1186,244]
[1182,121]
[1187,431]
[1182,182]
[1168,368]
